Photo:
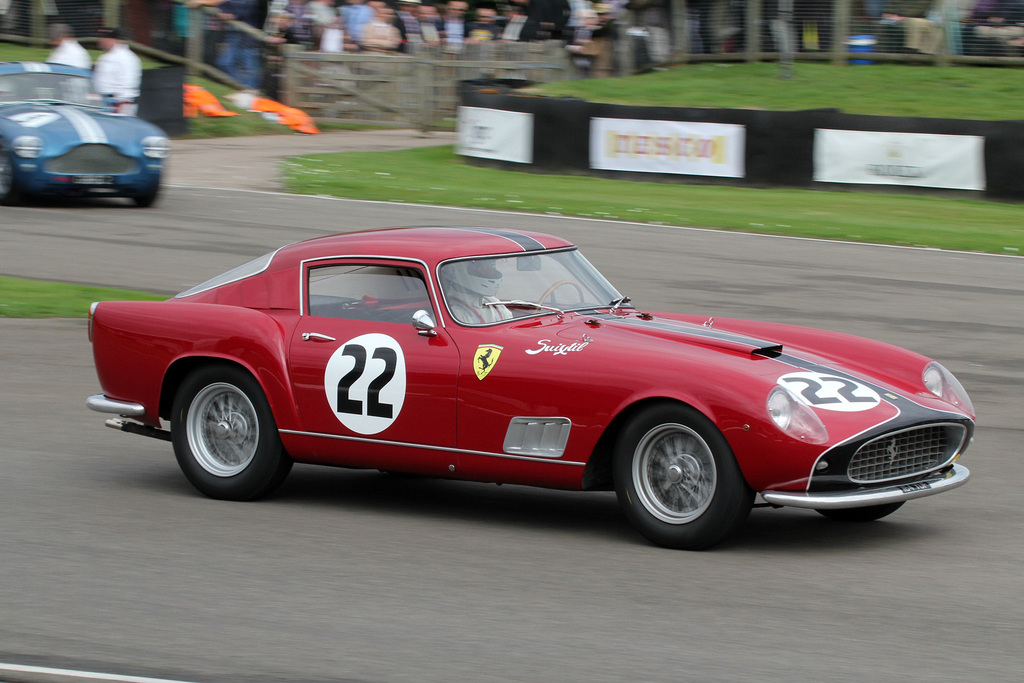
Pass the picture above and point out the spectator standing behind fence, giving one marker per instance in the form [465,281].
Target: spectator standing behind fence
[514,22]
[1001,20]
[323,17]
[920,33]
[118,72]
[66,49]
[356,14]
[240,55]
[485,28]
[455,22]
[407,24]
[380,34]
[431,26]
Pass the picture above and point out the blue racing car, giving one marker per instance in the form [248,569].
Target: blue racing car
[57,139]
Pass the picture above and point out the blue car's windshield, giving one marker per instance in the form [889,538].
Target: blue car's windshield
[48,87]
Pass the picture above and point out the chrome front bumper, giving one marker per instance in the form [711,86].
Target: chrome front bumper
[102,404]
[834,500]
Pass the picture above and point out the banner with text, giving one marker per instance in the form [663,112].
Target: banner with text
[681,147]
[495,134]
[955,162]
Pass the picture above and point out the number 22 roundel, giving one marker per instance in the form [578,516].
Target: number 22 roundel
[365,383]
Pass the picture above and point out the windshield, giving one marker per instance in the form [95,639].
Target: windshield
[485,290]
[48,87]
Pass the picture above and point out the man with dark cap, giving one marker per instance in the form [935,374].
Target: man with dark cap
[118,72]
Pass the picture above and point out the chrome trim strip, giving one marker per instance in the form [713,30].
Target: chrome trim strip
[443,449]
[835,500]
[102,404]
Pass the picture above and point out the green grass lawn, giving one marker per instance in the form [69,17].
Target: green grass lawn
[954,92]
[21,298]
[435,175]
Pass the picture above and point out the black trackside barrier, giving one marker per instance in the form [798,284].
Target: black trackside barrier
[160,99]
[779,144]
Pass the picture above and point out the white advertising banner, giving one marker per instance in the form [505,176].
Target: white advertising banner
[955,162]
[681,147]
[495,134]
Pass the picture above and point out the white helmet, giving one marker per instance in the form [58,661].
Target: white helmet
[479,276]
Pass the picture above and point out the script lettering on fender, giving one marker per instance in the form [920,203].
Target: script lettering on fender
[545,346]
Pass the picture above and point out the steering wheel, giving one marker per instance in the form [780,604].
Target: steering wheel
[561,283]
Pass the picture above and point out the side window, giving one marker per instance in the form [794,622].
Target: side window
[367,292]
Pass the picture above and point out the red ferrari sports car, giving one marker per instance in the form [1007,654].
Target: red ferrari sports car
[504,356]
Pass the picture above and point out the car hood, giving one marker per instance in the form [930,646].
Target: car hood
[750,357]
[65,125]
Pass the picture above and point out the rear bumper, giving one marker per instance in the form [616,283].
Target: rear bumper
[102,404]
[952,478]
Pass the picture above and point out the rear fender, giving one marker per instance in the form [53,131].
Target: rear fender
[143,350]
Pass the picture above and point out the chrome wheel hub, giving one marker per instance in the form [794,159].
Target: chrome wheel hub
[674,473]
[223,429]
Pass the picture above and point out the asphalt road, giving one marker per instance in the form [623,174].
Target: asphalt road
[111,562]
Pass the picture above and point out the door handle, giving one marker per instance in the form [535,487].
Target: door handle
[316,336]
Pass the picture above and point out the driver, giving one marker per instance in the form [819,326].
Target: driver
[470,285]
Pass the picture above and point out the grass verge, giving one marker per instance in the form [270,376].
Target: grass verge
[949,92]
[435,175]
[35,299]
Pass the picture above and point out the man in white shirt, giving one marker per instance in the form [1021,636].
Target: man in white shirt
[66,49]
[118,72]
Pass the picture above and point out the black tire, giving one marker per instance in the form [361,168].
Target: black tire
[147,200]
[225,437]
[9,193]
[677,480]
[865,514]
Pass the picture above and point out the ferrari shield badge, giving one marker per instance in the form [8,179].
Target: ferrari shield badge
[486,357]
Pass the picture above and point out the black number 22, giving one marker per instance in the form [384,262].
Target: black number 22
[374,407]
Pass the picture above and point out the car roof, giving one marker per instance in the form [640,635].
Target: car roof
[41,67]
[428,244]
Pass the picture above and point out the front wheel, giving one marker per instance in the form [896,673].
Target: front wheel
[677,480]
[146,200]
[864,514]
[224,435]
[9,194]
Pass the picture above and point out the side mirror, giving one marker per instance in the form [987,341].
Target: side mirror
[422,321]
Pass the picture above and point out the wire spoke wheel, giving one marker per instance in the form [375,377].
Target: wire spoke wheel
[674,473]
[223,430]
[677,479]
[225,436]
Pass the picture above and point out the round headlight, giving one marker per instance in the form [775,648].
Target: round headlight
[943,384]
[156,147]
[27,146]
[794,417]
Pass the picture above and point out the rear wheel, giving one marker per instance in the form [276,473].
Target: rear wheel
[677,480]
[224,435]
[9,194]
[865,514]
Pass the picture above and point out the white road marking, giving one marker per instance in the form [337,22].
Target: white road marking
[90,675]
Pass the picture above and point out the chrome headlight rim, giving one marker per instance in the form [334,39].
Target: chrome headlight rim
[941,382]
[28,146]
[795,418]
[156,147]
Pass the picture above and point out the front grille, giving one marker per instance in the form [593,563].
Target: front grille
[906,453]
[92,159]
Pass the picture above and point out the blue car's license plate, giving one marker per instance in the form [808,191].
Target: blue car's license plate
[93,179]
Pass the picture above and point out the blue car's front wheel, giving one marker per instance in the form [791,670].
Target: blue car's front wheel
[9,194]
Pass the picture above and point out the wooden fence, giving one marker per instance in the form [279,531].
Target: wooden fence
[409,90]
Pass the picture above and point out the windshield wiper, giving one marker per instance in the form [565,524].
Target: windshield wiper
[616,304]
[520,303]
